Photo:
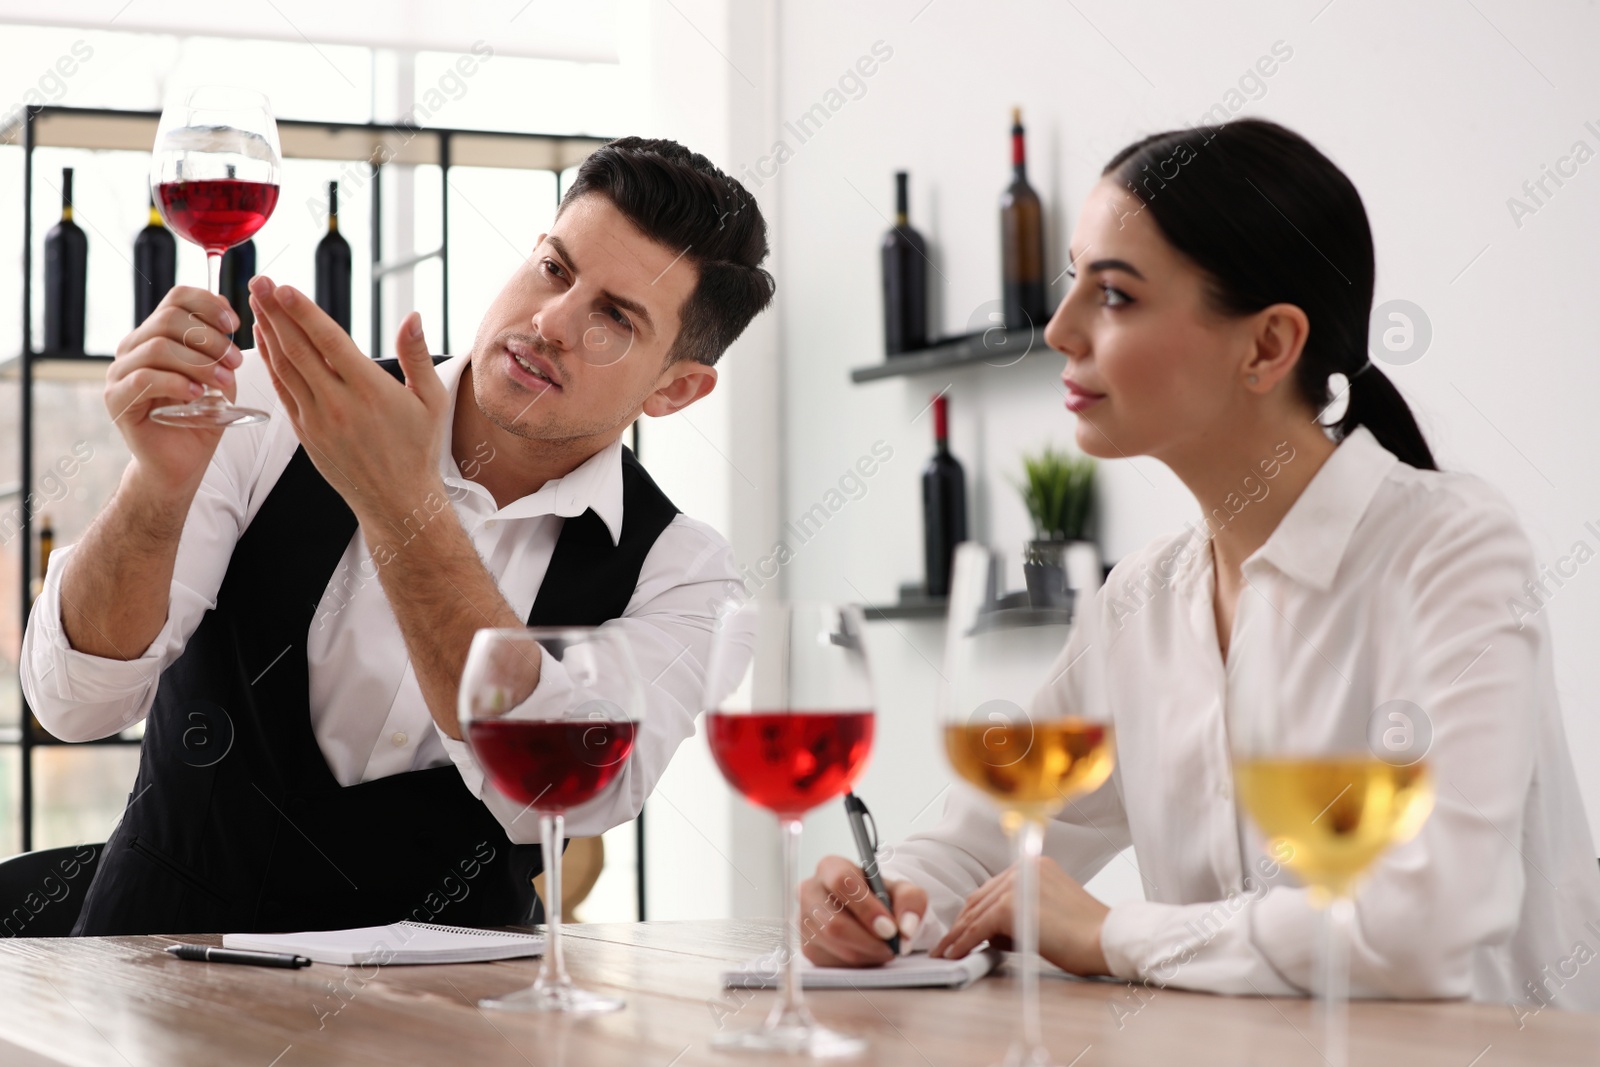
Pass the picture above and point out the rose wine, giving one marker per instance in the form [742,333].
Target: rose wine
[1032,768]
[1021,242]
[789,762]
[217,213]
[1334,815]
[551,765]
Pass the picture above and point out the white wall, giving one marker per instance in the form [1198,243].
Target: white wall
[1439,112]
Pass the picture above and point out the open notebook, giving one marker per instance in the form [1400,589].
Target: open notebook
[903,972]
[403,942]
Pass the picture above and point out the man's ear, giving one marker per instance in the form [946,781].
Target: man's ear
[684,383]
[1277,341]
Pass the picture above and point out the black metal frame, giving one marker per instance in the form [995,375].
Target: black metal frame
[27,737]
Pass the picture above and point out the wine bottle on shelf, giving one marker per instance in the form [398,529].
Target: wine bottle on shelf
[905,280]
[238,267]
[66,277]
[1021,242]
[944,505]
[155,264]
[333,266]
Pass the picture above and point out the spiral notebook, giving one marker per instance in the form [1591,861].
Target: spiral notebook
[916,971]
[402,942]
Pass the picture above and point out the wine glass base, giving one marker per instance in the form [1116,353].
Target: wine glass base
[561,999]
[804,1039]
[207,414]
[1020,1055]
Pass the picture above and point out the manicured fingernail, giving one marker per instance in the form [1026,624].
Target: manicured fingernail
[233,357]
[195,388]
[224,376]
[883,926]
[910,923]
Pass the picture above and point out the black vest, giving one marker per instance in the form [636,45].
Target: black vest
[235,822]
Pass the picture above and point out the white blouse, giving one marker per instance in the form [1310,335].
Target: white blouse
[1401,584]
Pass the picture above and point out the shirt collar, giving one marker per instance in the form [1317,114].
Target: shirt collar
[1311,540]
[595,484]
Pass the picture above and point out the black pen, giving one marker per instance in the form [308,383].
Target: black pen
[207,954]
[857,811]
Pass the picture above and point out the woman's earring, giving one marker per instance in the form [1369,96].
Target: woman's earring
[1254,378]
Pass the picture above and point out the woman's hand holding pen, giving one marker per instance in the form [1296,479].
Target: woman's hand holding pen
[843,925]
[1069,920]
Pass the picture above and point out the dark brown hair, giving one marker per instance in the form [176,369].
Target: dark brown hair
[678,199]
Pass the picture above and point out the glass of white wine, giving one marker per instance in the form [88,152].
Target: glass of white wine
[1029,754]
[1330,789]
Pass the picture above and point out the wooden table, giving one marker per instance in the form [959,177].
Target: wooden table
[122,1000]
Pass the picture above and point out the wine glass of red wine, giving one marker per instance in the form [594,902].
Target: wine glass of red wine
[214,171]
[790,721]
[551,715]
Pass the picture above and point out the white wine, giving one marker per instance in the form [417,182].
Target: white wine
[1032,768]
[1335,814]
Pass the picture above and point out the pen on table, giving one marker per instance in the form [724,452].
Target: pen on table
[209,954]
[856,809]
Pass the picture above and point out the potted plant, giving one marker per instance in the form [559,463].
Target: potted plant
[1058,491]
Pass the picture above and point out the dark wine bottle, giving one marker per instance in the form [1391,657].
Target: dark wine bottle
[905,280]
[944,505]
[1021,242]
[66,277]
[238,267]
[155,265]
[333,266]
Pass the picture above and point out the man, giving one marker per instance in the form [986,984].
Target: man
[290,606]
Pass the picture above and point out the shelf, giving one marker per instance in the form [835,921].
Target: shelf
[135,131]
[998,348]
[910,608]
[58,367]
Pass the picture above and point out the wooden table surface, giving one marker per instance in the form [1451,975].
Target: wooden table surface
[122,1000]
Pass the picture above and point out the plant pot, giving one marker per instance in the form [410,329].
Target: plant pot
[1044,566]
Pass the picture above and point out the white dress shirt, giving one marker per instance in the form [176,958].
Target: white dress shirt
[1397,582]
[367,710]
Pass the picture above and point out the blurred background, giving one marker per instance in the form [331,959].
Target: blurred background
[1469,126]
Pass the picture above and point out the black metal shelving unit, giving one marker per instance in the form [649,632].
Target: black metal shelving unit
[375,144]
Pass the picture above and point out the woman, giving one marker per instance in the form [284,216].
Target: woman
[1224,276]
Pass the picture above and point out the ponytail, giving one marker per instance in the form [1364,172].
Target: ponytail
[1271,220]
[1376,404]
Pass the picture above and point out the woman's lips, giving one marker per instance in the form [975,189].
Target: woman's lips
[1080,399]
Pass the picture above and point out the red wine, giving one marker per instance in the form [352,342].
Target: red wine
[905,280]
[66,277]
[333,266]
[233,282]
[551,765]
[790,761]
[217,213]
[155,265]
[1021,242]
[944,505]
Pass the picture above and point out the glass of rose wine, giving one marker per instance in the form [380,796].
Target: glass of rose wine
[1329,795]
[1009,733]
[551,715]
[790,722]
[214,172]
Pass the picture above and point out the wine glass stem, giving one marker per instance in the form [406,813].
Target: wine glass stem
[554,971]
[1336,923]
[214,270]
[1030,842]
[789,1000]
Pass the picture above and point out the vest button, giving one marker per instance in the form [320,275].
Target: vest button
[398,739]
